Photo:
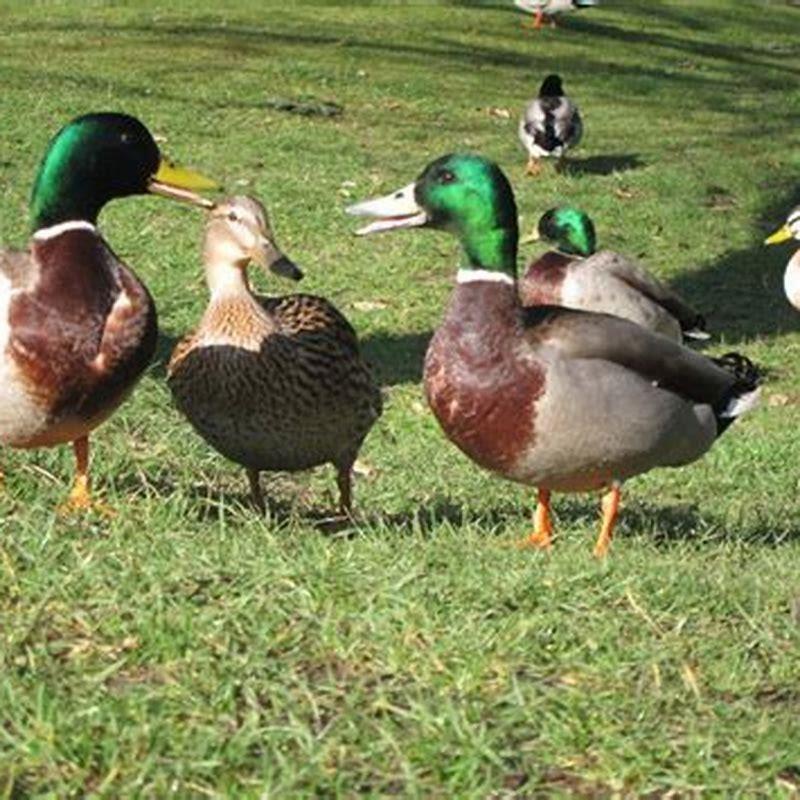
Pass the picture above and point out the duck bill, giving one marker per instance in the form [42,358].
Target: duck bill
[396,210]
[181,184]
[271,259]
[780,235]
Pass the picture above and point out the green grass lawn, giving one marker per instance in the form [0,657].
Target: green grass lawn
[188,648]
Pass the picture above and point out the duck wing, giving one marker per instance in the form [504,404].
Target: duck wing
[638,278]
[306,314]
[552,122]
[585,335]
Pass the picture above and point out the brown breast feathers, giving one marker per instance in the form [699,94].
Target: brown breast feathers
[85,329]
[479,385]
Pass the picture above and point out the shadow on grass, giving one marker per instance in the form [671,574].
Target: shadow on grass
[396,357]
[602,165]
[165,344]
[741,293]
[748,66]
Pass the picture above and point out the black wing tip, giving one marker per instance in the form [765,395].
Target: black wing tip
[747,374]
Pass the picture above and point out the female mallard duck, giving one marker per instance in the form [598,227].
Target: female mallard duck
[791,278]
[272,383]
[546,10]
[77,327]
[562,399]
[550,125]
[604,281]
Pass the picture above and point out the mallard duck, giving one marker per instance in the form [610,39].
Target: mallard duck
[580,277]
[546,10]
[272,383]
[791,278]
[550,125]
[77,327]
[561,399]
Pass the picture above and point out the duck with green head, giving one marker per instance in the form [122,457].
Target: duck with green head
[579,276]
[77,327]
[561,399]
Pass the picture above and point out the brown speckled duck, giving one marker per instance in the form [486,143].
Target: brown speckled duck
[562,399]
[272,383]
[578,276]
[77,327]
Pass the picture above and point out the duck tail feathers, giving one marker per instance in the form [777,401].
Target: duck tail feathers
[745,393]
[696,329]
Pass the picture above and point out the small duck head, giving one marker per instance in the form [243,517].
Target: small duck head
[570,229]
[98,157]
[238,232]
[467,195]
[551,87]
[791,230]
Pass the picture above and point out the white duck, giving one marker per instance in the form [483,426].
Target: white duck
[548,9]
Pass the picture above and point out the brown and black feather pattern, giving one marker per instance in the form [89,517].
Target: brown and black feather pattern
[286,390]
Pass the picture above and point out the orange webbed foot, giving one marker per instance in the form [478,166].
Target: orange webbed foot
[542,536]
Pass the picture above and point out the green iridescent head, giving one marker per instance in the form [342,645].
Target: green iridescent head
[570,229]
[467,195]
[98,157]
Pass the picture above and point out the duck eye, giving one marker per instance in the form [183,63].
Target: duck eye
[232,216]
[446,176]
[125,138]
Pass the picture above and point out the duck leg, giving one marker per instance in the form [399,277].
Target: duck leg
[542,535]
[256,495]
[344,480]
[80,498]
[533,167]
[610,506]
[537,23]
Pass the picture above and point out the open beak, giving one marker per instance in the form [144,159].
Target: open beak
[267,256]
[180,184]
[780,235]
[396,210]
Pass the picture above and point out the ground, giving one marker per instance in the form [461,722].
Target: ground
[188,647]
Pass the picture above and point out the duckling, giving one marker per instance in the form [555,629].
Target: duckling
[578,276]
[550,125]
[77,326]
[791,278]
[557,398]
[546,10]
[272,383]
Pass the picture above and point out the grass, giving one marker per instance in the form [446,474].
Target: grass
[187,647]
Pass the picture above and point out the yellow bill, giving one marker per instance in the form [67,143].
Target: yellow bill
[181,184]
[780,235]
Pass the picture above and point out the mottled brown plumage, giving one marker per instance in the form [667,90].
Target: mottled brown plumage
[272,383]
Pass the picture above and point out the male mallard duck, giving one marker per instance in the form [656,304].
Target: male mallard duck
[272,383]
[546,10]
[604,281]
[791,278]
[562,399]
[550,125]
[77,327]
